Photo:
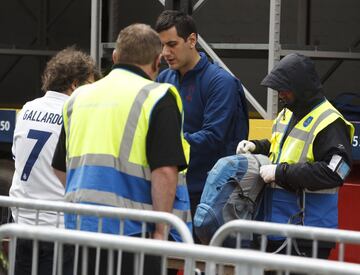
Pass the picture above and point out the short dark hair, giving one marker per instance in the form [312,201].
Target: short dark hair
[138,44]
[65,67]
[184,23]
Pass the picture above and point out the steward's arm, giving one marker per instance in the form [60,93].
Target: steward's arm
[332,153]
[59,158]
[165,156]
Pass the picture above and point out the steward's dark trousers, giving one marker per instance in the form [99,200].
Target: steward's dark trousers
[24,251]
[152,264]
[305,250]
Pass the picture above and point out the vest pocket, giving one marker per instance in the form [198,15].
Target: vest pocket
[321,210]
[182,194]
[182,200]
[284,206]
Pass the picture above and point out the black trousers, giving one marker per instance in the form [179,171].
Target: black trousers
[305,249]
[23,261]
[152,264]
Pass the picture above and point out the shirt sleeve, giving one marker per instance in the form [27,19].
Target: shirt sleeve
[221,99]
[59,158]
[331,144]
[163,141]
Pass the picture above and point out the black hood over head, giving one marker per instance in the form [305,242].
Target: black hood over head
[296,73]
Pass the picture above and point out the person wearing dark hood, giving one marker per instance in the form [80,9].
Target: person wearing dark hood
[310,149]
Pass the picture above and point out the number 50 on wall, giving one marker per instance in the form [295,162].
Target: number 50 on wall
[7,125]
[356,142]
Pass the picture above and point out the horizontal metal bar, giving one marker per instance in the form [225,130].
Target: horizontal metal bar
[102,211]
[10,51]
[265,47]
[323,54]
[183,250]
[239,46]
[108,45]
[285,230]
[217,46]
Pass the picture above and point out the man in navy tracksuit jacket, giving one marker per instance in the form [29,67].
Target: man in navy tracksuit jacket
[215,110]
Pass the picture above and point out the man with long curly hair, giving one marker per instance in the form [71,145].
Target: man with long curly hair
[35,137]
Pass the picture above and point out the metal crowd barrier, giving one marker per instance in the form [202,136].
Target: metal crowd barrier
[290,232]
[101,212]
[144,216]
[246,261]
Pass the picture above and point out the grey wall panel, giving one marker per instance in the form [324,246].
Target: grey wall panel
[332,24]
[335,23]
[345,79]
[245,21]
[22,83]
[37,25]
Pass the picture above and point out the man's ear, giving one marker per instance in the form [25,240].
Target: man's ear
[72,87]
[115,57]
[192,40]
[156,64]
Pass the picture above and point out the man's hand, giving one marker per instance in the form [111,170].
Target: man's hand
[245,147]
[267,172]
[61,176]
[160,232]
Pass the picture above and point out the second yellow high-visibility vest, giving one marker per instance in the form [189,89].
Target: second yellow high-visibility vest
[283,206]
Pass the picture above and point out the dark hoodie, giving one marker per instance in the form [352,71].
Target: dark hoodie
[297,73]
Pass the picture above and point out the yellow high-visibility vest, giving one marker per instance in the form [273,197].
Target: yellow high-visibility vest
[106,125]
[314,208]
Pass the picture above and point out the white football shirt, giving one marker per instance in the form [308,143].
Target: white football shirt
[36,133]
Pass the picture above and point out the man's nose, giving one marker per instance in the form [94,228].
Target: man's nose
[165,51]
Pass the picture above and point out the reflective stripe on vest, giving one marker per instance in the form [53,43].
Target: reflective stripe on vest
[108,198]
[125,160]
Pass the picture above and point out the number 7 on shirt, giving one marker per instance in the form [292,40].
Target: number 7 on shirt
[41,138]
